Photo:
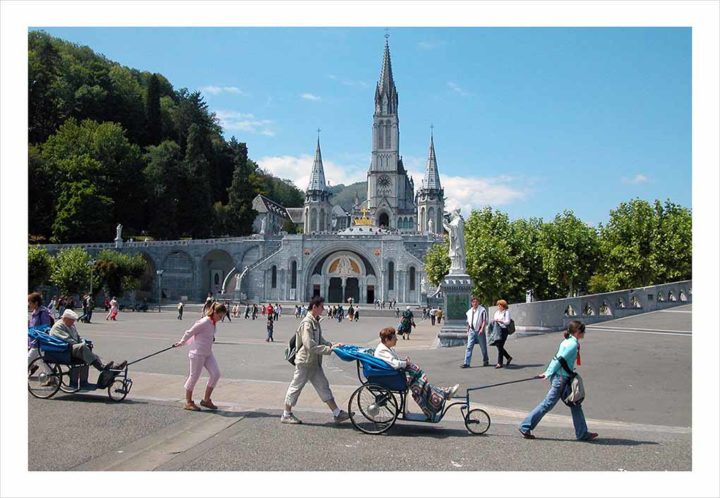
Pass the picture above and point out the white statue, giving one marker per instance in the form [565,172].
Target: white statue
[423,285]
[263,224]
[430,226]
[118,232]
[456,229]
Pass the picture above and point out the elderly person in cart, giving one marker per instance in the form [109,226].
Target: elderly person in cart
[65,330]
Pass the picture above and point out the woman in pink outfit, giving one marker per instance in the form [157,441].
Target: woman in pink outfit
[201,337]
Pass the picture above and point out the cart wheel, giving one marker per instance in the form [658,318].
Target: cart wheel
[66,380]
[119,389]
[43,378]
[477,421]
[375,409]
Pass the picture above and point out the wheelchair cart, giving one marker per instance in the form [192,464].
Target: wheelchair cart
[381,400]
[56,370]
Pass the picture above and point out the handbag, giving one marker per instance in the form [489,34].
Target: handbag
[577,389]
[511,327]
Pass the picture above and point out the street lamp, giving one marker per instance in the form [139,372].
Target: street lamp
[92,267]
[159,274]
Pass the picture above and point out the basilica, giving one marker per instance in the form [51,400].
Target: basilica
[373,252]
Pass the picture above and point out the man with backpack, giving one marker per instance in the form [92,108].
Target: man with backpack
[311,346]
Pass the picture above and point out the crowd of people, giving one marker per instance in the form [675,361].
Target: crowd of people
[311,346]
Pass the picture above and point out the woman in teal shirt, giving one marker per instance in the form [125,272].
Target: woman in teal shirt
[559,385]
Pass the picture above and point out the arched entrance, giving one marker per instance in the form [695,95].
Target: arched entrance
[342,275]
[384,220]
[215,266]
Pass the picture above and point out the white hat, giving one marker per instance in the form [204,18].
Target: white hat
[407,307]
[68,313]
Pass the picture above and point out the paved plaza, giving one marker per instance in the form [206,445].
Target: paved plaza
[642,414]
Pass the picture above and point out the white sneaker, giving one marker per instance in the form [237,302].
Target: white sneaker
[451,392]
[290,419]
[341,417]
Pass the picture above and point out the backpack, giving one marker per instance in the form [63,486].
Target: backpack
[293,348]
[577,389]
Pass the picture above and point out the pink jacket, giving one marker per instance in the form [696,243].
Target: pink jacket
[200,336]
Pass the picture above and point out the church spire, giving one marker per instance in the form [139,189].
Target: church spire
[317,176]
[386,100]
[432,177]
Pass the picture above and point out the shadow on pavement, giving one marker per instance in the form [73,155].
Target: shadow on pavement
[93,398]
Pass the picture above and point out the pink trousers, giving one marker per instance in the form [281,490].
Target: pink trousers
[197,362]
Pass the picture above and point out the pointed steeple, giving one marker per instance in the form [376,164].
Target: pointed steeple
[317,176]
[432,177]
[386,94]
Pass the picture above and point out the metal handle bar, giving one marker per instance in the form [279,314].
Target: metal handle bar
[148,356]
[502,384]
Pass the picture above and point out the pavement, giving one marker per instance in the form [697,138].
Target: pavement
[643,414]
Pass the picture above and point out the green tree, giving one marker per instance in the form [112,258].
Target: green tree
[437,262]
[241,193]
[164,179]
[41,196]
[153,116]
[118,272]
[39,266]
[196,210]
[490,257]
[45,106]
[644,244]
[71,271]
[80,216]
[525,246]
[569,252]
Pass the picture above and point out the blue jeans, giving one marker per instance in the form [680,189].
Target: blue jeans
[476,338]
[559,385]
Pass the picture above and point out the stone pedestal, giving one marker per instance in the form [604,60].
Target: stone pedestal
[456,291]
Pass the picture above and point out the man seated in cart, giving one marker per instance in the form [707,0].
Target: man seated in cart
[65,330]
[431,399]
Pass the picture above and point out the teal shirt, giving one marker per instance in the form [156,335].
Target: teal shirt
[568,349]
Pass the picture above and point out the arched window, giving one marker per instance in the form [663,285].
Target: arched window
[423,225]
[379,134]
[412,278]
[391,276]
[293,275]
[273,278]
[388,142]
[321,221]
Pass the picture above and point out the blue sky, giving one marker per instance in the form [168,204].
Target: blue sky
[531,121]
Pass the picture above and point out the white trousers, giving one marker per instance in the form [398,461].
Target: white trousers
[303,374]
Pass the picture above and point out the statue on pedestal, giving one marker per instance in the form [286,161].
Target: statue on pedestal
[456,229]
[430,226]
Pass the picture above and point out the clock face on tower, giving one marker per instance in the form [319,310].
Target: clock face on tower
[384,184]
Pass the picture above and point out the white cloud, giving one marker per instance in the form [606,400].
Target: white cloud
[458,89]
[233,120]
[349,82]
[216,90]
[636,180]
[430,44]
[298,168]
[468,193]
[310,96]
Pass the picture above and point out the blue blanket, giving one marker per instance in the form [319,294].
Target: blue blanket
[46,342]
[372,367]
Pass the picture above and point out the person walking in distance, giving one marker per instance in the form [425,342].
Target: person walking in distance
[311,346]
[270,325]
[201,337]
[501,320]
[180,308]
[569,351]
[476,318]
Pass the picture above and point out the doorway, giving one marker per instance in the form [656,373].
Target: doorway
[370,294]
[335,290]
[352,290]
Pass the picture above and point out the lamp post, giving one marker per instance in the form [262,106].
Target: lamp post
[159,274]
[92,267]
